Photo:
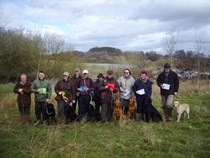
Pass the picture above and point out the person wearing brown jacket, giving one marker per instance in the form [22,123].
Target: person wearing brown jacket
[75,79]
[23,89]
[65,91]
[109,91]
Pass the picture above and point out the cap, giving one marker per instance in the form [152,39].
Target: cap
[76,70]
[110,72]
[100,75]
[167,65]
[65,74]
[85,71]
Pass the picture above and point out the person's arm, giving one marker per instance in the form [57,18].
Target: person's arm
[176,84]
[49,90]
[34,88]
[159,82]
[15,90]
[27,88]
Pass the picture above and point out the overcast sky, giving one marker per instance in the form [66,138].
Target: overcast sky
[125,24]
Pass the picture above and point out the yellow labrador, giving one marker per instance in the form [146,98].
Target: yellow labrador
[181,108]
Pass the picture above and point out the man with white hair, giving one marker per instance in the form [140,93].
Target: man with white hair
[23,89]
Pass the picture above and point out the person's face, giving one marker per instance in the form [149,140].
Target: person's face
[143,76]
[85,75]
[109,75]
[23,79]
[126,73]
[100,78]
[77,73]
[167,69]
[65,77]
[41,76]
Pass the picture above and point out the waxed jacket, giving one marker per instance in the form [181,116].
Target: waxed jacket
[25,98]
[170,78]
[67,87]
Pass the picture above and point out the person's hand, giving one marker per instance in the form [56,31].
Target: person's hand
[60,93]
[73,101]
[20,90]
[38,90]
[47,100]
[176,94]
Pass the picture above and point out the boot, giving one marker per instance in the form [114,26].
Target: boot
[27,119]
[169,110]
[142,116]
[22,119]
[38,122]
[45,123]
[165,113]
[137,116]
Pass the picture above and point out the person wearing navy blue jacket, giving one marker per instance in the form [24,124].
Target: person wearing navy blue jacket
[143,91]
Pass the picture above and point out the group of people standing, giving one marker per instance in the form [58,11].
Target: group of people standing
[80,89]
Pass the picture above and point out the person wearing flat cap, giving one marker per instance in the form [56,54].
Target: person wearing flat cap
[75,79]
[109,92]
[97,91]
[168,82]
[65,91]
[85,87]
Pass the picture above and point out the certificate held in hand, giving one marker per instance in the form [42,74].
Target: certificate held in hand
[166,86]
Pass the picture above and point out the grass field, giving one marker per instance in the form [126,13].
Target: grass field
[123,139]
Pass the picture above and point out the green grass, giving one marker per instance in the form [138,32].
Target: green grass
[129,139]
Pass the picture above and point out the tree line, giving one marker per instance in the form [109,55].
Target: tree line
[24,51]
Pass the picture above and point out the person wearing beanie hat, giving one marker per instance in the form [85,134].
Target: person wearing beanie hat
[168,82]
[126,82]
[65,91]
[143,91]
[85,87]
[109,93]
[75,79]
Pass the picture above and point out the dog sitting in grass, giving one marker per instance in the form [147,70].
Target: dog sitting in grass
[132,109]
[181,108]
[118,112]
[50,111]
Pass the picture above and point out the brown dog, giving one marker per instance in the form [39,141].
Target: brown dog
[181,108]
[118,112]
[132,109]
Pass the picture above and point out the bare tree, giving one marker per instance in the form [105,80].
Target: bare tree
[169,44]
[200,41]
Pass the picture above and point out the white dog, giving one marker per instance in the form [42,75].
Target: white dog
[181,108]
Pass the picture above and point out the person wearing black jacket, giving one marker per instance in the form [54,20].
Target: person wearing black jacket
[143,91]
[168,82]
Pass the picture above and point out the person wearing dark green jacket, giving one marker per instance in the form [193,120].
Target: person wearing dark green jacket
[42,90]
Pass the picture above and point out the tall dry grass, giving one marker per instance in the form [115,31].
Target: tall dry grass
[186,88]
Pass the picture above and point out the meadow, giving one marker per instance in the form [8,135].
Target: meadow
[122,139]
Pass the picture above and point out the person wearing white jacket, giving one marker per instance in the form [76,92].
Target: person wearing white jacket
[126,83]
